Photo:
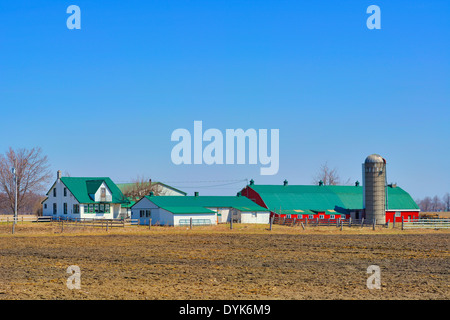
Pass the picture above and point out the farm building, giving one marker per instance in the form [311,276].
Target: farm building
[137,189]
[327,202]
[85,198]
[161,188]
[175,210]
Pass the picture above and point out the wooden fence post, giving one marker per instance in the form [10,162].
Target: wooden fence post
[342,225]
[403,224]
[303,226]
[231,223]
[374,222]
[270,223]
[393,222]
[362,222]
[350,222]
[149,223]
[190,223]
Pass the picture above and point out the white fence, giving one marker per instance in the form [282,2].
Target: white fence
[426,224]
[20,218]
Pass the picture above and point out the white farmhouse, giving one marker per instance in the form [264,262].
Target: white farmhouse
[85,198]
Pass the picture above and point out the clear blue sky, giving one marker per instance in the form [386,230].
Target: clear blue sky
[104,100]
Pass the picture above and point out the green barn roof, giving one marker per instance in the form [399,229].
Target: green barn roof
[321,198]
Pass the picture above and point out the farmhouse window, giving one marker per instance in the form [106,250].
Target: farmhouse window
[54,208]
[101,208]
[86,208]
[54,192]
[147,213]
[96,208]
[76,208]
[45,206]
[107,208]
[91,208]
[65,192]
[65,208]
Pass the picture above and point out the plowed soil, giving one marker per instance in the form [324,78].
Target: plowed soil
[248,262]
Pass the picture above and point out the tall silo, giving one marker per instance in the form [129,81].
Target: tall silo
[374,181]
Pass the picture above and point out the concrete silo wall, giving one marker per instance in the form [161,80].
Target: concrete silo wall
[374,190]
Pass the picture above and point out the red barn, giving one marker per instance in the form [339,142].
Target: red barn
[327,202]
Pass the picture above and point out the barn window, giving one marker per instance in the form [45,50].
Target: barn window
[321,216]
[332,216]
[311,216]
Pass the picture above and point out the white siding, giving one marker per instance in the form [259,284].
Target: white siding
[98,193]
[60,199]
[255,217]
[197,216]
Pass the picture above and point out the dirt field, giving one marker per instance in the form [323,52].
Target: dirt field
[248,262]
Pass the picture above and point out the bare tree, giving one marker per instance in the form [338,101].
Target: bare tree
[437,204]
[32,173]
[446,201]
[141,187]
[328,176]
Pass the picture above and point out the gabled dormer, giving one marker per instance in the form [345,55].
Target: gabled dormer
[98,191]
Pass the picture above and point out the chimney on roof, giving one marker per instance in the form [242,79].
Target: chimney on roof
[58,174]
[196,193]
[357,183]
[151,194]
[238,194]
[285,182]
[150,181]
[320,183]
[252,182]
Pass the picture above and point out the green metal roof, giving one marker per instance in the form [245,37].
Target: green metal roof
[82,187]
[321,198]
[194,202]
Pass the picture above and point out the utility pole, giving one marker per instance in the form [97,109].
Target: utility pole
[13,170]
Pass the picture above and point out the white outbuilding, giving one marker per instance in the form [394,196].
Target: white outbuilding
[203,210]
